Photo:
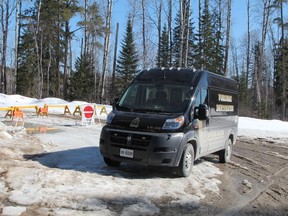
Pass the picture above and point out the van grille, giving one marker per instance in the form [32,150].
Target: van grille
[129,140]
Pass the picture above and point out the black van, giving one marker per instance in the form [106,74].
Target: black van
[171,117]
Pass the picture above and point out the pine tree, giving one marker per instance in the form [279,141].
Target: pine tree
[243,94]
[190,37]
[209,48]
[82,80]
[45,33]
[127,62]
[205,38]
[218,53]
[163,53]
[281,62]
[26,73]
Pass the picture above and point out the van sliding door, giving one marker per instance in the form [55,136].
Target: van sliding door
[223,108]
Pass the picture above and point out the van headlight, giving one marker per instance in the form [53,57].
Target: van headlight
[110,117]
[173,124]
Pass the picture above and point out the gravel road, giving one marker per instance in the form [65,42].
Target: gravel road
[253,183]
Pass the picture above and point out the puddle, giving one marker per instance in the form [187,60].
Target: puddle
[33,128]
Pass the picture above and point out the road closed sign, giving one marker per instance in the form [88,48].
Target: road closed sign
[88,114]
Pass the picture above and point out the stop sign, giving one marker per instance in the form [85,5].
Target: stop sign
[88,111]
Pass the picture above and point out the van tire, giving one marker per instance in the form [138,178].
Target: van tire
[225,154]
[110,162]
[187,161]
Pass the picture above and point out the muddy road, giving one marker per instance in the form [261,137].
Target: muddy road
[255,182]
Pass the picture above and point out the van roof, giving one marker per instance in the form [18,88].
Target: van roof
[186,76]
[173,75]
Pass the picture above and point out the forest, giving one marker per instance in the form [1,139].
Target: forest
[38,41]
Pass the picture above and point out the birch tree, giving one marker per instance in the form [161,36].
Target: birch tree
[106,48]
[144,45]
[228,27]
[70,7]
[181,35]
[170,31]
[265,25]
[6,9]
[114,62]
[248,44]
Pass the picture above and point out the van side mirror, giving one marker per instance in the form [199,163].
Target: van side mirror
[203,112]
[114,102]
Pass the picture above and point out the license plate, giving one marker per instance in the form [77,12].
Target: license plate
[126,153]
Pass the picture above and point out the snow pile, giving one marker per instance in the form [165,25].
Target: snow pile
[68,189]
[16,100]
[259,128]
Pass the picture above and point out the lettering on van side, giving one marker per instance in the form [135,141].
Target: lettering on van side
[224,108]
[216,134]
[224,98]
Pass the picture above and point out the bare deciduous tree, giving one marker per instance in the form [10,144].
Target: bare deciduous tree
[114,62]
[169,17]
[228,27]
[144,49]
[248,44]
[106,47]
[181,39]
[7,8]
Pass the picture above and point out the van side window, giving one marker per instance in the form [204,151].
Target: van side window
[197,100]
[201,97]
[204,96]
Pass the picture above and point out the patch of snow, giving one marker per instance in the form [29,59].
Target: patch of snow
[259,128]
[13,211]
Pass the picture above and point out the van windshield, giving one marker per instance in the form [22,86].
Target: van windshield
[159,98]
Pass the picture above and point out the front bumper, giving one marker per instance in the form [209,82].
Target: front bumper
[159,149]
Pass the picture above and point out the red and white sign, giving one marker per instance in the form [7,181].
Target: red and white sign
[88,112]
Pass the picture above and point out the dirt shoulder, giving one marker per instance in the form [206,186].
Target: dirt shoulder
[255,182]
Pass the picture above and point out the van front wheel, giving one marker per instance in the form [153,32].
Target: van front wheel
[110,162]
[187,161]
[225,154]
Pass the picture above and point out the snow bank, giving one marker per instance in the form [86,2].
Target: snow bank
[16,100]
[259,128]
